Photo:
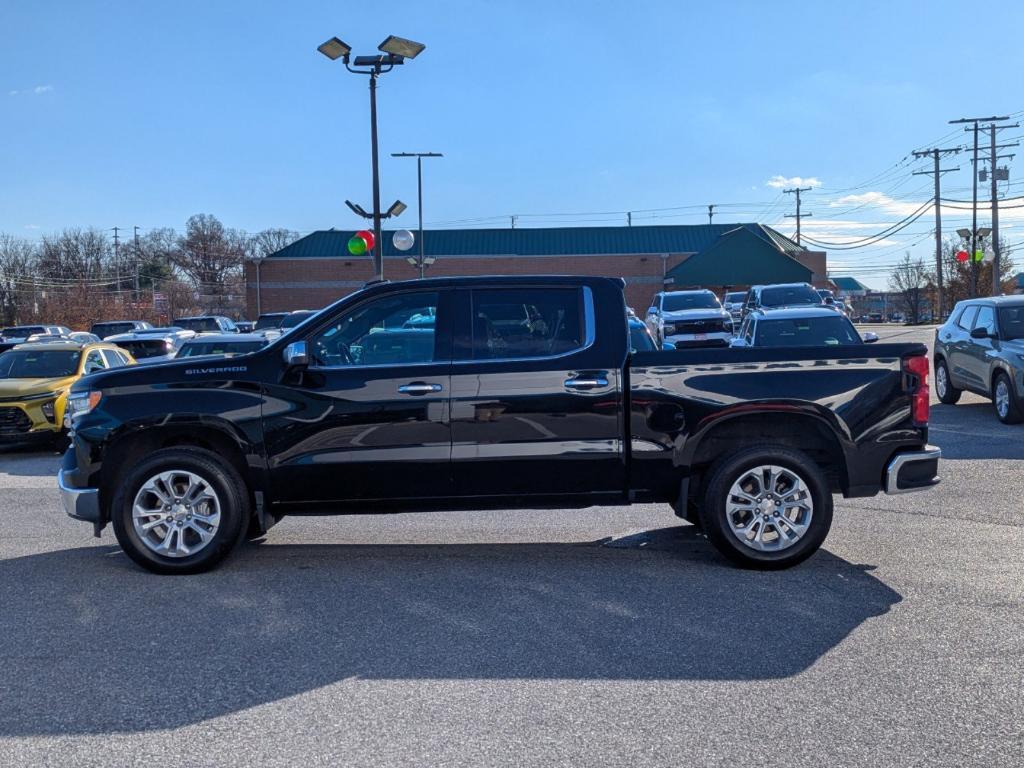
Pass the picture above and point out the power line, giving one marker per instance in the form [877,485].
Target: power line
[798,215]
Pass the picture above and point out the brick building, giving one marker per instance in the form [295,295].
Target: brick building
[317,269]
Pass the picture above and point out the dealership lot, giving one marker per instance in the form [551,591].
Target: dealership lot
[600,636]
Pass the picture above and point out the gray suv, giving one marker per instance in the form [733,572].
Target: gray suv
[981,349]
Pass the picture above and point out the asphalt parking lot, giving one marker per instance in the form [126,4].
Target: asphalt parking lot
[576,637]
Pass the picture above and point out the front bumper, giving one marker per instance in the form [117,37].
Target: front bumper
[911,471]
[720,339]
[24,420]
[79,503]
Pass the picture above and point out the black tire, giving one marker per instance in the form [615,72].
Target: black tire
[1012,414]
[732,469]
[950,394]
[218,474]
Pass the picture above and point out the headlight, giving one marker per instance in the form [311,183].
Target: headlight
[669,329]
[82,402]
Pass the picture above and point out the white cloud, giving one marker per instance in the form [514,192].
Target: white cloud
[779,182]
[39,89]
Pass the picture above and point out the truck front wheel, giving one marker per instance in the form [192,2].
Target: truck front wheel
[768,507]
[181,510]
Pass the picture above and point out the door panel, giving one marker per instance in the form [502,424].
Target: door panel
[543,425]
[369,419]
[958,347]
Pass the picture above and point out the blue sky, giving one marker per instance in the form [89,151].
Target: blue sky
[128,113]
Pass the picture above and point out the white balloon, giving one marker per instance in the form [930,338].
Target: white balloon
[403,240]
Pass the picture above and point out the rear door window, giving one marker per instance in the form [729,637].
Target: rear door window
[966,321]
[986,319]
[516,323]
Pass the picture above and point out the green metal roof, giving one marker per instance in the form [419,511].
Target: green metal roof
[742,256]
[849,284]
[562,241]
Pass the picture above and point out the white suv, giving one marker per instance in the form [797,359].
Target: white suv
[689,319]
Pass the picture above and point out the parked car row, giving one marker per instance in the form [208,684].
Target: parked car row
[790,314]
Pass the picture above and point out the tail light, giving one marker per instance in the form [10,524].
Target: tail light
[916,368]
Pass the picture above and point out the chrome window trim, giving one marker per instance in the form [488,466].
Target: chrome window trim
[590,336]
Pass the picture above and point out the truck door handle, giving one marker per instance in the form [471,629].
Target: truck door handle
[419,388]
[586,383]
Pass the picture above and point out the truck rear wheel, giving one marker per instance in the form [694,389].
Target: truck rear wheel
[767,507]
[181,510]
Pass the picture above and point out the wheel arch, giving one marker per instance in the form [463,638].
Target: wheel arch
[136,442]
[802,430]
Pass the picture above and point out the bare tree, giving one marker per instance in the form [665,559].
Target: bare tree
[212,257]
[269,241]
[75,254]
[909,279]
[17,262]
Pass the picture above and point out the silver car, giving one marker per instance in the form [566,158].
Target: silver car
[152,345]
[980,348]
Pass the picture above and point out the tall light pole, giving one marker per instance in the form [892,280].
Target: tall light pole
[419,192]
[395,51]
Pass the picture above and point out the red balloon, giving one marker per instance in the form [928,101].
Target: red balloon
[368,237]
[962,256]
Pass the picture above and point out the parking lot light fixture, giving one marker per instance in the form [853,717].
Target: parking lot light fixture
[396,209]
[399,46]
[334,49]
[397,49]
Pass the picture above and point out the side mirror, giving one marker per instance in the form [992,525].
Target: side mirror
[296,354]
[870,337]
[980,333]
[667,346]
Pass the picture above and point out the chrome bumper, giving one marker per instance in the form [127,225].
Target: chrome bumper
[913,470]
[79,503]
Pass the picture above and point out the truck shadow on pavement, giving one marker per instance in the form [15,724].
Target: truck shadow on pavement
[90,644]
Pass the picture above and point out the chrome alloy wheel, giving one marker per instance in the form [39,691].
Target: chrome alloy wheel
[176,513]
[941,381]
[769,508]
[1002,397]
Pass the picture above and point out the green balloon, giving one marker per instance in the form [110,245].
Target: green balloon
[356,246]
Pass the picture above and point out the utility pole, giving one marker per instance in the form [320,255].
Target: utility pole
[117,260]
[997,288]
[797,215]
[974,186]
[138,263]
[629,218]
[711,213]
[513,221]
[937,172]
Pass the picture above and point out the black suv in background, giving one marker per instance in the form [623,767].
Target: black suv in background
[117,327]
[780,296]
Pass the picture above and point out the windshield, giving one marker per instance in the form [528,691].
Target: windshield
[22,331]
[640,339]
[198,324]
[269,321]
[789,296]
[807,332]
[295,318]
[676,302]
[228,348]
[39,364]
[140,350]
[1011,323]
[103,330]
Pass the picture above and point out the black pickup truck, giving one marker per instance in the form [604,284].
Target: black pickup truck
[496,392]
